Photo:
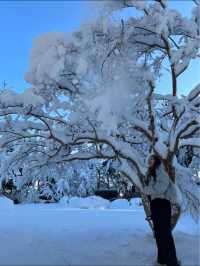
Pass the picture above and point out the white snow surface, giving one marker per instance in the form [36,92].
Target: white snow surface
[85,203]
[54,234]
[5,203]
[95,202]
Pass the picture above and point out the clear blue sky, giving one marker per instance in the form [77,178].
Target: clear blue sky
[22,21]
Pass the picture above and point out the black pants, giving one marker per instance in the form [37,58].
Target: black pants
[161,217]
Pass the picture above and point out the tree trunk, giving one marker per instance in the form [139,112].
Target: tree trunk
[176,212]
[146,205]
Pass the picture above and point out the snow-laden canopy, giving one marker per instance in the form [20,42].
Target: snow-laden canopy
[93,96]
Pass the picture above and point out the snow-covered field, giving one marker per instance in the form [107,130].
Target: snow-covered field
[59,234]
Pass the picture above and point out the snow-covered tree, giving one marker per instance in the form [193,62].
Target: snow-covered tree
[93,96]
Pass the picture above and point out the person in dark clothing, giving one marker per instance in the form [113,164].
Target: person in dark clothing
[161,192]
[161,217]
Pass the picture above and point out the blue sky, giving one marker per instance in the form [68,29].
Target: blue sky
[22,21]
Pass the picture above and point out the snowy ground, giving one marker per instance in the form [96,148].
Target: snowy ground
[54,234]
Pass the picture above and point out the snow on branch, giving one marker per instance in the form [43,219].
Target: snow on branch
[194,142]
[141,127]
[174,138]
[110,6]
[11,98]
[194,93]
